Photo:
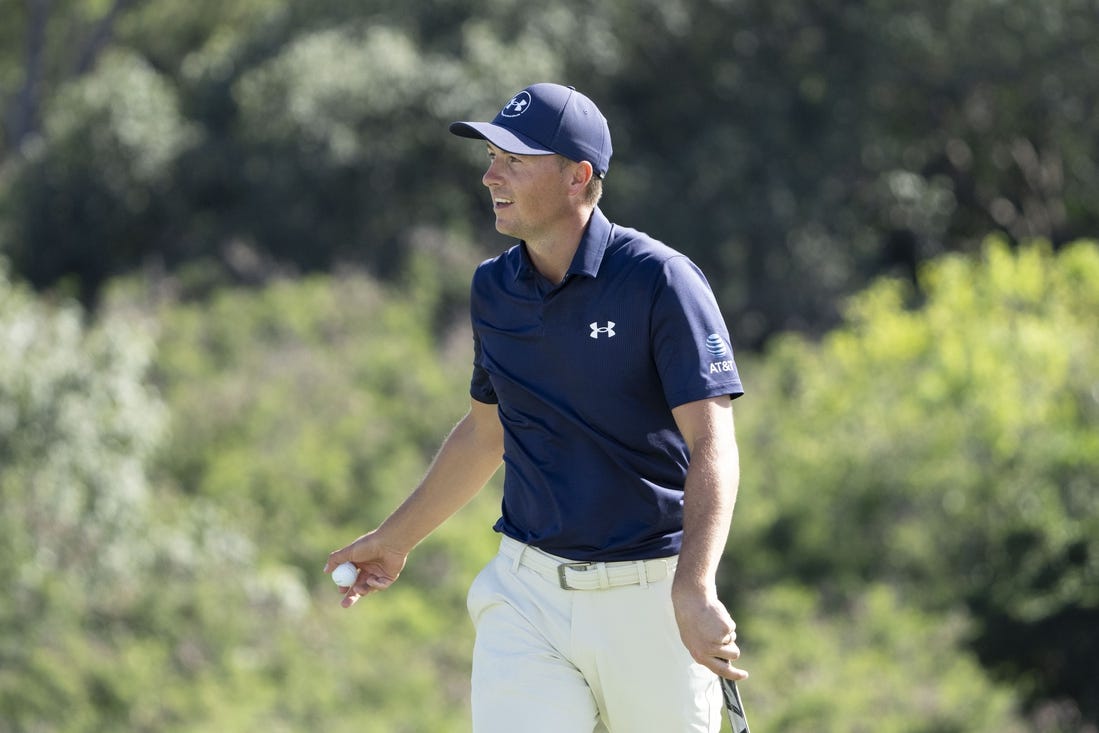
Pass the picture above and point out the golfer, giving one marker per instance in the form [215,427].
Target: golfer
[603,379]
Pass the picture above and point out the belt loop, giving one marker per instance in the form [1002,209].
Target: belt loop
[604,578]
[642,573]
[518,560]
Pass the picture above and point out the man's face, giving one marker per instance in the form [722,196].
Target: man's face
[529,192]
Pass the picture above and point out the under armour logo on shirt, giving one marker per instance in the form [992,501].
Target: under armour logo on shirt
[596,329]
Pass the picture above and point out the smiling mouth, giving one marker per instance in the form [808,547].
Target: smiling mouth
[501,203]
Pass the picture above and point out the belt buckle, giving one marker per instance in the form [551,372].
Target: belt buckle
[566,566]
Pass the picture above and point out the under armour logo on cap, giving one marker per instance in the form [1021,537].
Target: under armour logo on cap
[517,106]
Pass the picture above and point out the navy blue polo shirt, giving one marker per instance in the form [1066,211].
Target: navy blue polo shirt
[585,375]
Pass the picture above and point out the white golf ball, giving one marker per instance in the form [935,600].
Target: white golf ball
[344,575]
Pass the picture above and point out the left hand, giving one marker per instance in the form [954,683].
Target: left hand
[708,632]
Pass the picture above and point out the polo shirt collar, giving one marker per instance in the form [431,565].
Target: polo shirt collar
[589,255]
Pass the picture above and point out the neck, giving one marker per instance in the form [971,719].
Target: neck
[553,253]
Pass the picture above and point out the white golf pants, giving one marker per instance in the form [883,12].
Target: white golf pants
[550,660]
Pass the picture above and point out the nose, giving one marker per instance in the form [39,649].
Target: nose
[491,177]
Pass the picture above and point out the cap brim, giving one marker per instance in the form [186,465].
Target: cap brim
[501,137]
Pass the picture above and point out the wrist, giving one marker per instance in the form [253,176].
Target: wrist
[389,540]
[686,587]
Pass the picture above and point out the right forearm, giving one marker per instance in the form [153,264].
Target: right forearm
[468,458]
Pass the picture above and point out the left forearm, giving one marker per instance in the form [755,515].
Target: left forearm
[710,491]
[709,494]
[708,500]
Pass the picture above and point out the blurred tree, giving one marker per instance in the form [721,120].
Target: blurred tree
[950,450]
[869,663]
[90,202]
[793,148]
[120,611]
[154,590]
[45,44]
[797,148]
[308,405]
[307,409]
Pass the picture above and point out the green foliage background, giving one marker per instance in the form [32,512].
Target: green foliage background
[946,450]
[915,546]
[236,243]
[794,148]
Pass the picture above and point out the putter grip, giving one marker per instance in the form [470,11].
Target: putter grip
[734,707]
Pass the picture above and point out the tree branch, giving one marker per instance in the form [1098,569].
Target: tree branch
[23,116]
[100,37]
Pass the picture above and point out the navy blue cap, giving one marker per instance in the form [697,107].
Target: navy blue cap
[544,119]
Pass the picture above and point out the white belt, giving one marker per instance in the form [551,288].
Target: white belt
[572,575]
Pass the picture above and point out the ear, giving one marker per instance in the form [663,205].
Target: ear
[582,173]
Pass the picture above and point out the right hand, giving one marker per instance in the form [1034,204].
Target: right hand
[379,566]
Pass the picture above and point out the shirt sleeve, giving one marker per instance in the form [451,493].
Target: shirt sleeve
[691,345]
[480,385]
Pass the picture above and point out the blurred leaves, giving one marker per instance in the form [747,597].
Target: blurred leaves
[915,544]
[794,149]
[295,404]
[76,426]
[93,185]
[874,664]
[123,123]
[165,520]
[915,535]
[950,450]
[102,572]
